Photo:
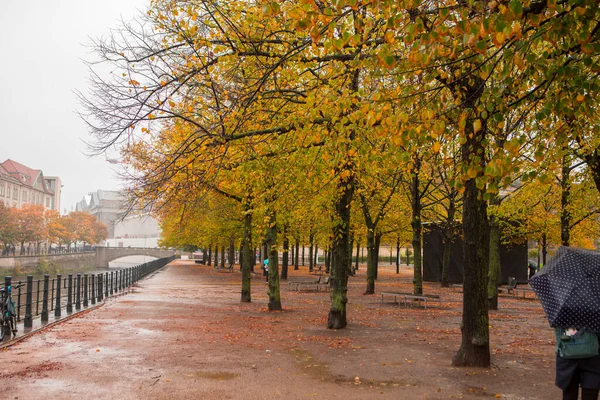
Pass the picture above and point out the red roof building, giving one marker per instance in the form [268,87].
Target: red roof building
[21,185]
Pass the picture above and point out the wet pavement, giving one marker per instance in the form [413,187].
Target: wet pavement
[182,333]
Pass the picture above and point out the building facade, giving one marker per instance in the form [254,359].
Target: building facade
[109,207]
[20,185]
[105,205]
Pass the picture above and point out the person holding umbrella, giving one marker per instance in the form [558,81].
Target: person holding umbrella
[569,289]
[533,267]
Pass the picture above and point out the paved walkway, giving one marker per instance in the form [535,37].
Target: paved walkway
[183,334]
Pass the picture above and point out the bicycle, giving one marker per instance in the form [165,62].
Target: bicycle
[8,315]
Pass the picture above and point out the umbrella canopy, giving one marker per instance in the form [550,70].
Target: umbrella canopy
[569,288]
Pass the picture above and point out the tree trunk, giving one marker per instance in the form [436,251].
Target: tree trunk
[223,256]
[544,248]
[398,254]
[593,162]
[349,266]
[247,259]
[303,255]
[565,214]
[376,254]
[231,252]
[286,249]
[370,261]
[296,264]
[273,292]
[448,238]
[494,278]
[446,261]
[339,269]
[416,228]
[357,254]
[475,346]
[311,238]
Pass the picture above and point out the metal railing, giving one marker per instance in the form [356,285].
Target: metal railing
[43,296]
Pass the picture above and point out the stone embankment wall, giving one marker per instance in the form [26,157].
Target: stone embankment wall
[67,262]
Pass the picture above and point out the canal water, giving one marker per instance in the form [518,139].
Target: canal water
[124,262]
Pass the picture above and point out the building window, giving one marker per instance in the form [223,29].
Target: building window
[24,196]
[2,189]
[47,202]
[15,193]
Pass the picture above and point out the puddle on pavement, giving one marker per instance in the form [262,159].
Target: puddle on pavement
[221,376]
[51,384]
[146,332]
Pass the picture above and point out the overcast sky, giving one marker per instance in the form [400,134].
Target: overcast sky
[42,44]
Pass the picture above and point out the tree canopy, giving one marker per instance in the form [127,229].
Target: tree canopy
[288,108]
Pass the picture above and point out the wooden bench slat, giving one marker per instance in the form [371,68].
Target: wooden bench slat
[407,296]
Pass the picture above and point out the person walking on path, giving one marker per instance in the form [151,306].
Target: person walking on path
[266,266]
[569,290]
[573,373]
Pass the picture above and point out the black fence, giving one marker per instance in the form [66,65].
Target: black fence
[73,292]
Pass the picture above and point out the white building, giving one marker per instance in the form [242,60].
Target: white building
[106,205]
[134,230]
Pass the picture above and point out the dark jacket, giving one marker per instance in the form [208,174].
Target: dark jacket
[588,369]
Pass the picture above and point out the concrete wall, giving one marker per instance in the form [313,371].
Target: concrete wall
[66,261]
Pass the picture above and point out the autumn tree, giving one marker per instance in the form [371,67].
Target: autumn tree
[226,84]
[30,224]
[8,225]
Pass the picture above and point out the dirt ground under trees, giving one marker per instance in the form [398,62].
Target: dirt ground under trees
[183,334]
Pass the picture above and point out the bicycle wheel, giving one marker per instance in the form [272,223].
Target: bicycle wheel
[13,325]
[3,324]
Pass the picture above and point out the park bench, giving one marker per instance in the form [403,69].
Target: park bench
[317,270]
[421,299]
[297,285]
[458,287]
[523,291]
[225,269]
[325,284]
[512,288]
[509,289]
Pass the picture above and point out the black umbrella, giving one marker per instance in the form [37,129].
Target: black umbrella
[569,288]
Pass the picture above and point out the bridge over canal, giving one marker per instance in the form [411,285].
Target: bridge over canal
[104,255]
